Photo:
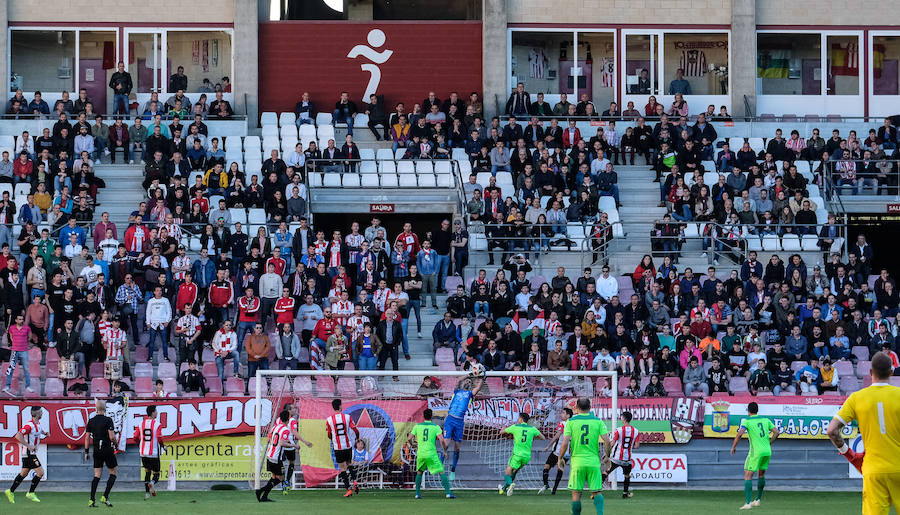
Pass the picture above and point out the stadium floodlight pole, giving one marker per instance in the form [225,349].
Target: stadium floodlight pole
[260,374]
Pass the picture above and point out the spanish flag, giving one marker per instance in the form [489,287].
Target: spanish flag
[845,59]
[383,427]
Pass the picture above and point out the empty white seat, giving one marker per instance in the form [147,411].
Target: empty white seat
[315,179]
[465,167]
[821,215]
[389,180]
[23,189]
[612,215]
[194,176]
[323,119]
[288,131]
[368,167]
[407,180]
[443,180]
[269,144]
[459,154]
[256,172]
[253,166]
[194,244]
[803,166]
[287,118]
[251,143]
[361,120]
[618,231]
[756,144]
[399,153]
[307,132]
[770,242]
[735,143]
[710,178]
[427,180]
[813,190]
[238,215]
[424,166]
[810,243]
[8,142]
[369,181]
[406,166]
[708,165]
[606,203]
[384,154]
[791,243]
[442,167]
[366,153]
[256,216]
[483,178]
[753,242]
[214,202]
[817,200]
[288,144]
[351,180]
[325,132]
[269,131]
[268,118]
[332,180]
[691,231]
[387,167]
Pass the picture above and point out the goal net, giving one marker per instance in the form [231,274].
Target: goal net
[385,405]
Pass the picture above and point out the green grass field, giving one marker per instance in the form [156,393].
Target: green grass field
[393,502]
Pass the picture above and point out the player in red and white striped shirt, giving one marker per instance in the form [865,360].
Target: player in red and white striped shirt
[279,440]
[553,458]
[115,340]
[148,434]
[29,437]
[625,440]
[290,455]
[338,427]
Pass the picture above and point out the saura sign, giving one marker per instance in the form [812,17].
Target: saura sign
[381,208]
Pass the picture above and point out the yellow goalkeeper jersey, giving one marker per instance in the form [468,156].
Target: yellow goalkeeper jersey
[877,410]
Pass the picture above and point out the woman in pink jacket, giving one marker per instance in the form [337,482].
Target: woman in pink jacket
[18,339]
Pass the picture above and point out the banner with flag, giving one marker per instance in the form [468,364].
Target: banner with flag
[383,425]
[773,63]
[845,59]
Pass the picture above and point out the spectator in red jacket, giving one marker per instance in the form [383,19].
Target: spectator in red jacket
[221,295]
[22,169]
[284,308]
[187,291]
[571,136]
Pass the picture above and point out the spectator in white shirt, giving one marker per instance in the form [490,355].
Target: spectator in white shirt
[90,272]
[296,159]
[25,144]
[72,249]
[224,346]
[607,285]
[158,316]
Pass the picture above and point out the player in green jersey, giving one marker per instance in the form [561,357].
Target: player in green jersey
[523,435]
[761,432]
[583,433]
[425,434]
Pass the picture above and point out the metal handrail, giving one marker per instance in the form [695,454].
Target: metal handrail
[835,192]
[315,166]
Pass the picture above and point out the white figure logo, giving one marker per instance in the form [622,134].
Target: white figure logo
[376,39]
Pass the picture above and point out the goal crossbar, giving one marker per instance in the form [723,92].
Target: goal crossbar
[262,374]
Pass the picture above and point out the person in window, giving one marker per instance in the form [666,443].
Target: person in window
[121,84]
[679,84]
[179,80]
[643,84]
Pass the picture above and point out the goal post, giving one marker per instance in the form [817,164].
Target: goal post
[385,405]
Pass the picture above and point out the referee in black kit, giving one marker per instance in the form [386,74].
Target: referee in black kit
[100,429]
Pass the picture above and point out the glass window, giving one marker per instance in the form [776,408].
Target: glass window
[688,59]
[843,65]
[544,62]
[205,57]
[426,10]
[96,64]
[885,72]
[641,64]
[145,58]
[789,64]
[597,58]
[42,60]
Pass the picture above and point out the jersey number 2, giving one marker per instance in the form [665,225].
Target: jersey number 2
[585,429]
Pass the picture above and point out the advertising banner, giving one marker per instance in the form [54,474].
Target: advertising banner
[216,458]
[65,421]
[11,460]
[804,418]
[657,468]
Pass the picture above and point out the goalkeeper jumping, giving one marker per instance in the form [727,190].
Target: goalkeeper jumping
[466,389]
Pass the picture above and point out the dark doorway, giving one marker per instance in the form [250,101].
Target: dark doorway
[882,231]
[421,222]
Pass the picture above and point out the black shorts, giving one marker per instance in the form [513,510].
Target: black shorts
[552,460]
[289,455]
[151,464]
[105,459]
[343,455]
[30,462]
[275,468]
[626,466]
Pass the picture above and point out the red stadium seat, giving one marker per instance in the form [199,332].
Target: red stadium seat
[280,386]
[214,384]
[251,386]
[141,354]
[863,368]
[96,369]
[143,370]
[302,385]
[165,370]
[324,386]
[234,386]
[738,384]
[673,386]
[346,387]
[143,385]
[99,386]
[53,387]
[209,369]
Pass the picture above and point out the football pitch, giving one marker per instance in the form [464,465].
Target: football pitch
[394,502]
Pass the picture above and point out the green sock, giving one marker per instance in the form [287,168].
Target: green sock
[748,490]
[760,484]
[446,483]
[576,507]
[419,484]
[598,503]
[507,479]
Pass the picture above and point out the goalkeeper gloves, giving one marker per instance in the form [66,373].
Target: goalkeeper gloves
[855,458]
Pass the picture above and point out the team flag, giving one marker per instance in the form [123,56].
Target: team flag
[773,63]
[383,426]
[528,327]
[845,59]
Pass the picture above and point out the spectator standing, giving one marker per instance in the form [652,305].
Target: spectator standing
[121,84]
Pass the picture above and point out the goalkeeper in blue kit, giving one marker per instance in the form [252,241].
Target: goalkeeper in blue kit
[466,389]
